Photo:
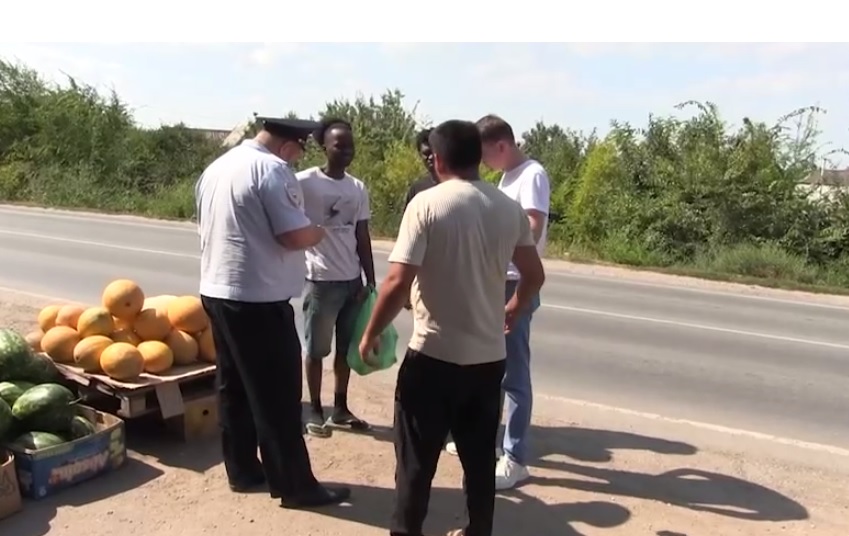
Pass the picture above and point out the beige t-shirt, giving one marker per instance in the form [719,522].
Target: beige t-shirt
[461,235]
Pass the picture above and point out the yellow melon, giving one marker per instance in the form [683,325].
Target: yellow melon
[59,343]
[121,323]
[159,302]
[123,298]
[152,324]
[157,356]
[184,347]
[34,339]
[95,321]
[47,317]
[68,316]
[125,335]
[122,361]
[186,314]
[206,346]
[87,352]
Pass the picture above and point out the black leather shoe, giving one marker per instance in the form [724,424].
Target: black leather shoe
[317,498]
[248,485]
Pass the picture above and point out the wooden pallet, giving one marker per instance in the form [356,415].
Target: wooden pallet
[184,397]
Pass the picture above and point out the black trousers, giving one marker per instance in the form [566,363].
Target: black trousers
[260,384]
[433,398]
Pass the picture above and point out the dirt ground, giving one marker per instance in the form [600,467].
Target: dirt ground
[597,474]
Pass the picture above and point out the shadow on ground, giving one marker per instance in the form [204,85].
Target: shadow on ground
[36,517]
[516,515]
[150,437]
[690,488]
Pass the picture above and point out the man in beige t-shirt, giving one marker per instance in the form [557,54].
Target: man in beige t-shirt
[454,245]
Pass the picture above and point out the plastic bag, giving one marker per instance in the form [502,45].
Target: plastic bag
[384,357]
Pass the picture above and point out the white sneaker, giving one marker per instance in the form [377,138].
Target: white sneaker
[451,448]
[508,474]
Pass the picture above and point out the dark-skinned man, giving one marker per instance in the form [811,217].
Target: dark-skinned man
[339,202]
[253,233]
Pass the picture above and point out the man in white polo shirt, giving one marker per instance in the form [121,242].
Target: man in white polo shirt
[253,233]
[525,181]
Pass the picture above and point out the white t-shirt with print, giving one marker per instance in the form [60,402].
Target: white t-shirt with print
[337,205]
[528,184]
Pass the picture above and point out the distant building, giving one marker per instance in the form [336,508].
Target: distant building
[826,183]
[211,133]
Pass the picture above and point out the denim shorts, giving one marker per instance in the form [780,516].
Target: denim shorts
[328,305]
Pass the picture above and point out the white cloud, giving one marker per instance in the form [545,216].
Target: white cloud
[56,65]
[268,53]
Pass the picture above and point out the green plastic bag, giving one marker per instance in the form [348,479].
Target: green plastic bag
[384,357]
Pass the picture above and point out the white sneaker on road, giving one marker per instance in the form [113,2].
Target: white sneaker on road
[508,474]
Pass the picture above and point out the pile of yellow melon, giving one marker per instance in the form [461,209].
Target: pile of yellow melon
[127,334]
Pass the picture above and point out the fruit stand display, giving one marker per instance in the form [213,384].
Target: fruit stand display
[56,442]
[136,355]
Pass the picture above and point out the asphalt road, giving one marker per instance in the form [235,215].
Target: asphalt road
[779,367]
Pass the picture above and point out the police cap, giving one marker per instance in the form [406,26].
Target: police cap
[292,129]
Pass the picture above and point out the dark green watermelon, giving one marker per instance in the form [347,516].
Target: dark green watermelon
[7,420]
[48,407]
[36,441]
[15,355]
[81,427]
[39,369]
[11,391]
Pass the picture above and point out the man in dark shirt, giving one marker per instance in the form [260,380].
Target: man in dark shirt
[426,155]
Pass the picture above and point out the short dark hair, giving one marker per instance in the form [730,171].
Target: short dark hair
[329,124]
[457,144]
[422,137]
[494,129]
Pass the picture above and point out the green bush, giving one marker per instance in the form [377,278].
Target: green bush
[687,194]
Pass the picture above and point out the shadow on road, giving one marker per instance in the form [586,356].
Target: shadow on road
[597,446]
[36,517]
[517,515]
[688,488]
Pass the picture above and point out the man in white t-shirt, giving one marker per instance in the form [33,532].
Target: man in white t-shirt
[338,202]
[525,181]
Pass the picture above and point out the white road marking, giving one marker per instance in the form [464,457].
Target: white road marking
[785,441]
[100,244]
[697,326]
[545,305]
[137,221]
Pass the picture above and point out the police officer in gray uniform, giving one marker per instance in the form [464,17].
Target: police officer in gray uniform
[253,233]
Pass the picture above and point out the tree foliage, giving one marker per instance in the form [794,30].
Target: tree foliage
[692,191]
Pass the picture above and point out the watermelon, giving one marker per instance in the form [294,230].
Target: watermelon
[15,355]
[36,441]
[81,427]
[11,391]
[39,369]
[48,407]
[6,418]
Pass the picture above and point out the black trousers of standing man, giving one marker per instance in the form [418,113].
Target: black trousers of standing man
[433,398]
[260,384]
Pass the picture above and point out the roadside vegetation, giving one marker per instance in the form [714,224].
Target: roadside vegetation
[695,195]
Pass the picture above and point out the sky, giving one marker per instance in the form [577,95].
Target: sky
[577,85]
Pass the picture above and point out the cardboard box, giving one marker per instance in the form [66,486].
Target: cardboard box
[44,472]
[10,493]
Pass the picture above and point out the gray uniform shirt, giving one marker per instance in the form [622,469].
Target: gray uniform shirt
[243,199]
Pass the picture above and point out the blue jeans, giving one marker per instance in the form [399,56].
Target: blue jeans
[517,382]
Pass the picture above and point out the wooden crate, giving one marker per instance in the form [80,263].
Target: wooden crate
[184,397]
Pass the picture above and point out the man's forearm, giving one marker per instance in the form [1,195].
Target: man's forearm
[367,262]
